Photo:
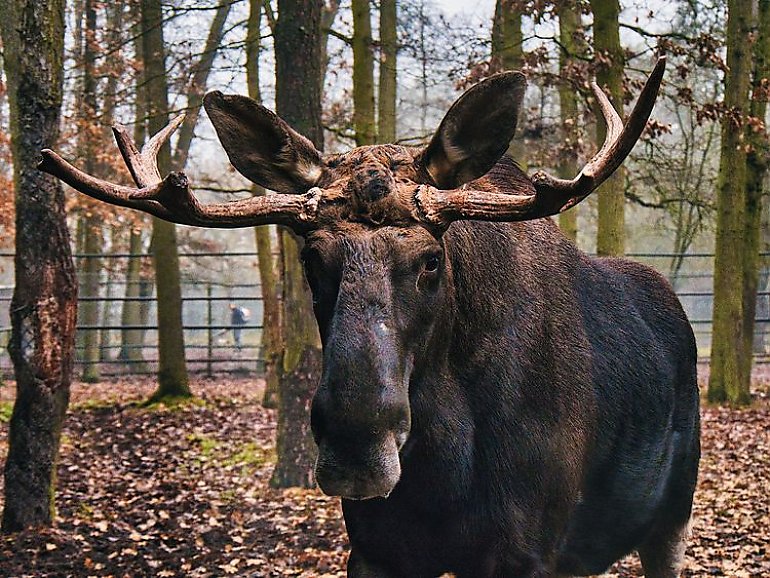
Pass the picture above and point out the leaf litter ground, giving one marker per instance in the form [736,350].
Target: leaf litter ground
[184,492]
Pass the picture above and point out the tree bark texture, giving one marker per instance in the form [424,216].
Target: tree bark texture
[328,15]
[610,234]
[297,40]
[43,308]
[134,312]
[508,54]
[507,37]
[88,317]
[386,119]
[172,371]
[570,47]
[272,344]
[300,372]
[756,171]
[725,378]
[363,75]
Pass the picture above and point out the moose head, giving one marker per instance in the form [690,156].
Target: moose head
[375,256]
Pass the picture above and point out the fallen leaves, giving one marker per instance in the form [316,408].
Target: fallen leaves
[184,492]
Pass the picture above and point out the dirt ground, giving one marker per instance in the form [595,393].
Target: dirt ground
[184,492]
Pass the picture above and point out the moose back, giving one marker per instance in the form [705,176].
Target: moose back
[493,402]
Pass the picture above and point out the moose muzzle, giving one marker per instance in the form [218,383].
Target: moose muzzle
[359,469]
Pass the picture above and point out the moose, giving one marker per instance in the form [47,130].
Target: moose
[493,402]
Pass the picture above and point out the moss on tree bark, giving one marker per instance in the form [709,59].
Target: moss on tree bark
[726,381]
[610,234]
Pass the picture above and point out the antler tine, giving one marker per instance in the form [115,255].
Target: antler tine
[440,208]
[614,126]
[557,195]
[133,158]
[143,165]
[151,148]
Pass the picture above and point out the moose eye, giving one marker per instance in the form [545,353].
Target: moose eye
[431,263]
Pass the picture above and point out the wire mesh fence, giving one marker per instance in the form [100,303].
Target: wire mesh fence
[213,283]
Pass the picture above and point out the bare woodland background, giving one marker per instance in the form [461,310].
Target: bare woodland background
[347,73]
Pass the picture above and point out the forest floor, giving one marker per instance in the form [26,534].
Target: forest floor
[184,492]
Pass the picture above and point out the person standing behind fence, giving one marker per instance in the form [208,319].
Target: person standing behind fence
[239,317]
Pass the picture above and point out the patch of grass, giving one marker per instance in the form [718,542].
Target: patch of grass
[84,511]
[94,405]
[171,403]
[207,447]
[6,408]
[229,496]
[251,454]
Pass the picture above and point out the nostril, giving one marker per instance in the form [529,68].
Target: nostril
[401,439]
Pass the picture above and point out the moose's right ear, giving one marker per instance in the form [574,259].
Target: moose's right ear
[260,144]
[476,131]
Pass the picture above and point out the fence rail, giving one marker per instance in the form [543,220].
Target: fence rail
[212,280]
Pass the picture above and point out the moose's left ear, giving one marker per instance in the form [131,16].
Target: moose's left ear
[476,131]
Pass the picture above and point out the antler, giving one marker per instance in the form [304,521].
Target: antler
[170,198]
[547,195]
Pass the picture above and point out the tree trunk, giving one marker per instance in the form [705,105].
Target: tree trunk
[297,39]
[328,15]
[131,336]
[43,309]
[570,46]
[92,263]
[105,335]
[610,234]
[507,38]
[386,121]
[725,379]
[756,170]
[135,311]
[172,371]
[272,346]
[114,62]
[507,54]
[89,294]
[271,329]
[363,74]
[272,341]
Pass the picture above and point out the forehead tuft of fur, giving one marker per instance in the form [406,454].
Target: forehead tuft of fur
[374,180]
